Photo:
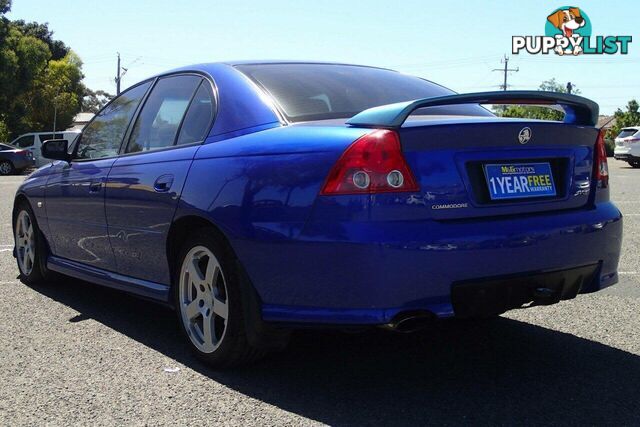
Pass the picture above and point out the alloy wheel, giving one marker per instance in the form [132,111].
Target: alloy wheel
[25,243]
[203,300]
[5,168]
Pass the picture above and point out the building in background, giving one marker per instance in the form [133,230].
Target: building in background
[81,120]
[606,122]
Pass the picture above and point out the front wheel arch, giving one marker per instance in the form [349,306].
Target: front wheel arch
[17,201]
[42,245]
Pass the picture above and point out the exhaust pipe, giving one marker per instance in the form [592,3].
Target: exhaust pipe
[410,321]
[545,296]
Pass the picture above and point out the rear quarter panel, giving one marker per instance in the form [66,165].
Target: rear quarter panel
[263,185]
[261,188]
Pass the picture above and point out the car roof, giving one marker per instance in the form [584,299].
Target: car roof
[48,132]
[207,67]
[297,62]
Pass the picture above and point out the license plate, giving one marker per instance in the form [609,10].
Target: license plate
[519,180]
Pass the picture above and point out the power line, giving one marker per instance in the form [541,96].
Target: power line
[453,63]
[506,71]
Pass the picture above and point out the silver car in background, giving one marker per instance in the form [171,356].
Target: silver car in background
[628,146]
[33,141]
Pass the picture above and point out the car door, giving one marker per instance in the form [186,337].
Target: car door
[145,183]
[75,190]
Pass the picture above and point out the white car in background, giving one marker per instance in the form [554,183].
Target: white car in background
[628,146]
[33,141]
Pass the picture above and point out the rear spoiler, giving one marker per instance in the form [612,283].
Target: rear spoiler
[578,110]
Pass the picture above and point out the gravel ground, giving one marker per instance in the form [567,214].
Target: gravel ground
[79,354]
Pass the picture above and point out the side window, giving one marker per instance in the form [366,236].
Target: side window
[24,142]
[158,123]
[103,136]
[47,136]
[199,116]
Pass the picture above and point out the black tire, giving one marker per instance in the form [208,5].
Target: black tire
[39,273]
[6,167]
[635,164]
[233,347]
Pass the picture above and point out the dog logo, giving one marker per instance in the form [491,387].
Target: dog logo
[568,32]
[567,21]
[524,136]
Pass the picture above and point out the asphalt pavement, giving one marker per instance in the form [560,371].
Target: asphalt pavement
[79,354]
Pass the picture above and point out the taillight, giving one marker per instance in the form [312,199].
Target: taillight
[601,168]
[372,164]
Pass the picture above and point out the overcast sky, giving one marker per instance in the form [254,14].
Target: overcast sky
[454,43]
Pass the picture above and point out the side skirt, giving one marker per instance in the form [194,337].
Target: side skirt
[143,288]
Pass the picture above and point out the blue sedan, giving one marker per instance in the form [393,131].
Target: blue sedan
[257,197]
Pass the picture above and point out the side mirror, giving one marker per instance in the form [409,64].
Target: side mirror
[56,149]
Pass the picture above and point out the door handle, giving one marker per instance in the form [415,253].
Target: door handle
[163,183]
[95,186]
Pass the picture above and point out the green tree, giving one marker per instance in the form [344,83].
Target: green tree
[5,6]
[630,117]
[40,78]
[56,91]
[22,59]
[41,31]
[533,112]
[93,101]
[4,132]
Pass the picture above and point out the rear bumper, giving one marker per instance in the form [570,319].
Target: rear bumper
[490,296]
[626,157]
[368,272]
[627,152]
[20,163]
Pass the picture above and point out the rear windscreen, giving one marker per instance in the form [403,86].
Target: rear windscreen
[327,91]
[627,132]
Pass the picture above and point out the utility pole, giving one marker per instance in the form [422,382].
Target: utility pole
[120,72]
[118,76]
[55,112]
[506,70]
